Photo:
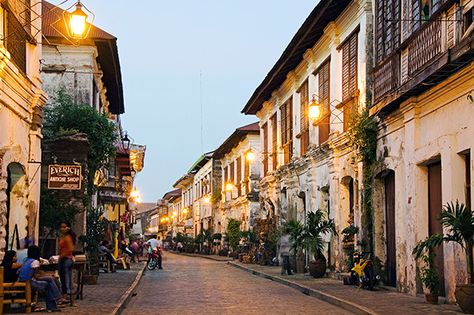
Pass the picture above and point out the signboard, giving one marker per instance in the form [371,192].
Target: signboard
[64,177]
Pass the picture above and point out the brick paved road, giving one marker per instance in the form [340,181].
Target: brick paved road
[189,285]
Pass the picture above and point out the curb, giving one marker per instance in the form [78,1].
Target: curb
[205,257]
[125,298]
[334,300]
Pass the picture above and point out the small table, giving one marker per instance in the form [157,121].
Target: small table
[79,266]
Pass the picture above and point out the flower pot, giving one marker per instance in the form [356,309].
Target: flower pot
[317,268]
[465,297]
[431,298]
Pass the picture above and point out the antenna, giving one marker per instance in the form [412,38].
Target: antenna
[202,117]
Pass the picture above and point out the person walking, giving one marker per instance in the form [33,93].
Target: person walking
[67,243]
[285,246]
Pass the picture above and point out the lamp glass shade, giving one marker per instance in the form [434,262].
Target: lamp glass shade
[126,142]
[250,156]
[314,110]
[77,23]
[229,187]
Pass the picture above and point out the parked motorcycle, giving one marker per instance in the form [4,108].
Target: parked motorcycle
[363,273]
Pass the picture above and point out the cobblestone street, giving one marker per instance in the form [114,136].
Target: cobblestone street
[189,285]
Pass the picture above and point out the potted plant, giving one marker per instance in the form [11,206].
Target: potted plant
[459,220]
[348,236]
[316,227]
[428,273]
[295,229]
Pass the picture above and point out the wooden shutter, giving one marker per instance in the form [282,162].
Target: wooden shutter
[287,129]
[247,175]
[349,67]
[304,121]
[323,92]
[273,121]
[265,148]
[416,15]
[379,30]
[231,175]
[239,175]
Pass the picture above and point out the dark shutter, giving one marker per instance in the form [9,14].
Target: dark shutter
[265,148]
[349,68]
[323,92]
[239,175]
[304,121]
[274,141]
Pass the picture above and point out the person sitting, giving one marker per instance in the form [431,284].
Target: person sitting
[10,266]
[104,250]
[29,271]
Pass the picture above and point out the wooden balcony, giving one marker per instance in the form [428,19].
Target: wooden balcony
[428,56]
[425,47]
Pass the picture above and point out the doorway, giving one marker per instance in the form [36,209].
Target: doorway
[391,248]
[435,206]
[16,227]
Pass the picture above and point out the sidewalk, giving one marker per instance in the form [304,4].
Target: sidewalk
[350,297]
[212,257]
[111,292]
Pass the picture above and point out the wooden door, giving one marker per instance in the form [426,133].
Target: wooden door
[435,205]
[391,244]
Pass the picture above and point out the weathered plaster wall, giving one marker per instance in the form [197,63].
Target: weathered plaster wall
[436,125]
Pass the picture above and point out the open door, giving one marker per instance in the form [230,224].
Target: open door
[435,205]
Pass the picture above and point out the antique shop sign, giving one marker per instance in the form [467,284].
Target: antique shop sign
[64,177]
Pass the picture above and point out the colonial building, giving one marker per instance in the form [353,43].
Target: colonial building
[307,164]
[21,104]
[185,213]
[240,175]
[423,98]
[89,71]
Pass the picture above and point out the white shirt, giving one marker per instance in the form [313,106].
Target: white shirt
[154,243]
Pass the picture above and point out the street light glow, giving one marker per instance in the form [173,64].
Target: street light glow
[229,187]
[250,156]
[314,110]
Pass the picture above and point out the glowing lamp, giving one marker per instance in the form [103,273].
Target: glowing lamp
[207,199]
[229,187]
[185,210]
[250,156]
[314,110]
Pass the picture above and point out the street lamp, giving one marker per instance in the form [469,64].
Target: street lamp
[250,156]
[315,111]
[229,187]
[207,199]
[76,22]
[126,142]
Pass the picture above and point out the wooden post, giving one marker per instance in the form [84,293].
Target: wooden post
[28,297]
[1,290]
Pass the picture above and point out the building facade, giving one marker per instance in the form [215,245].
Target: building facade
[240,175]
[21,102]
[423,98]
[309,165]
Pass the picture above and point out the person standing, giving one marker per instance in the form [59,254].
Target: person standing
[66,260]
[285,246]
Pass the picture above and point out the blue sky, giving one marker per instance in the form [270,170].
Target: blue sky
[166,46]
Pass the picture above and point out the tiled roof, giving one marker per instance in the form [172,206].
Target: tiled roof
[146,206]
[235,138]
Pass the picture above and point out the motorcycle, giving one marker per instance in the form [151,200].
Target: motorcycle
[363,273]
[153,259]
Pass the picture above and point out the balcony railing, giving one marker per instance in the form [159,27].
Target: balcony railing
[425,46]
[421,49]
[387,77]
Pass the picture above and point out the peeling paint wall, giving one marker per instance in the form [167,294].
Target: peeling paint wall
[21,103]
[435,126]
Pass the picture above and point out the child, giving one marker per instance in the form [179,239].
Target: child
[29,271]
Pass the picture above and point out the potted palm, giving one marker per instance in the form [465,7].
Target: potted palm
[316,227]
[459,220]
[295,229]
[428,273]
